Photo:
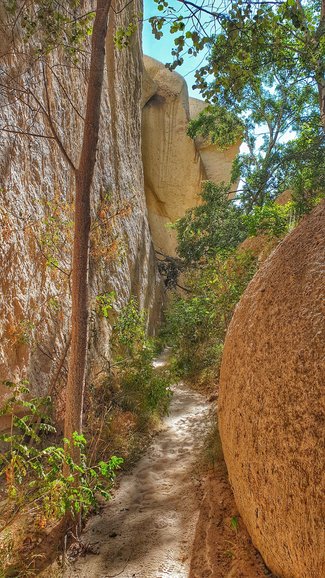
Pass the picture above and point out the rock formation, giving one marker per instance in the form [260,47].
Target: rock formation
[174,165]
[36,195]
[271,407]
[37,187]
[217,163]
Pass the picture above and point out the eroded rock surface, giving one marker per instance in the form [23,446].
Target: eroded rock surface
[36,195]
[217,163]
[271,408]
[174,164]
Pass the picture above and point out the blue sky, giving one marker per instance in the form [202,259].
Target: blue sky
[161,49]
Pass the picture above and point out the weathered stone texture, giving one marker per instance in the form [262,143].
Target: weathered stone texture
[36,182]
[217,163]
[174,164]
[271,406]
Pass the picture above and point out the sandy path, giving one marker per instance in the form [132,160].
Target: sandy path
[147,530]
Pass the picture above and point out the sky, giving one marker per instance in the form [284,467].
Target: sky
[161,49]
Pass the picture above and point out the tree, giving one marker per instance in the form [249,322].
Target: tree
[46,25]
[303,161]
[264,170]
[246,40]
[213,227]
[262,65]
[80,259]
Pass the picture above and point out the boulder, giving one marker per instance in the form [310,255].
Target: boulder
[173,170]
[174,165]
[271,405]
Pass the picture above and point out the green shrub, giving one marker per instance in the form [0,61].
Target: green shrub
[104,303]
[219,125]
[129,332]
[213,226]
[272,219]
[196,323]
[33,471]
[141,388]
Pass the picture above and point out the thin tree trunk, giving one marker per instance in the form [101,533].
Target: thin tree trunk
[80,259]
[321,93]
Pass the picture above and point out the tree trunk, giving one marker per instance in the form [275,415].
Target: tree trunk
[80,259]
[321,93]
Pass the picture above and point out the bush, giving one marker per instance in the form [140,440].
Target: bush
[196,323]
[34,472]
[215,225]
[278,220]
[272,219]
[140,388]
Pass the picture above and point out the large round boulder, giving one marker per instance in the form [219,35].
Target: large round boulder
[271,405]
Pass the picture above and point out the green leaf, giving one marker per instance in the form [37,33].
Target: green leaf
[234,523]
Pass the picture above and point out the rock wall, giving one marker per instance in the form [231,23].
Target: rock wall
[217,163]
[271,404]
[36,203]
[37,191]
[174,165]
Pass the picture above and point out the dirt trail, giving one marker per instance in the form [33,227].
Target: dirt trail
[147,530]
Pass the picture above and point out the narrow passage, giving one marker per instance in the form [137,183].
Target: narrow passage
[147,529]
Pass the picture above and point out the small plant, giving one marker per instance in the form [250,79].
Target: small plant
[55,232]
[104,303]
[123,35]
[212,453]
[33,471]
[141,388]
[54,304]
[21,333]
[234,523]
[105,242]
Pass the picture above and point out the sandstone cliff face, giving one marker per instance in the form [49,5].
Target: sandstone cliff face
[271,407]
[217,163]
[174,165]
[36,197]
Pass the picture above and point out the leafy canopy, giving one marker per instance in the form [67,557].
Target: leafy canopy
[244,39]
[213,226]
[263,72]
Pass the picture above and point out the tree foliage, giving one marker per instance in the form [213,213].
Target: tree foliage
[266,115]
[272,219]
[264,70]
[48,24]
[247,41]
[219,125]
[213,226]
